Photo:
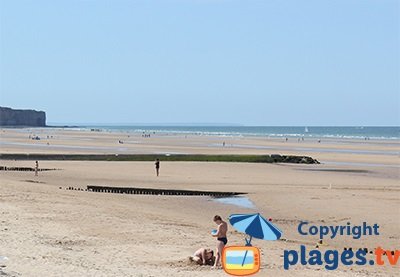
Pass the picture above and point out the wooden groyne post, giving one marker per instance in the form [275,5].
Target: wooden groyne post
[148,191]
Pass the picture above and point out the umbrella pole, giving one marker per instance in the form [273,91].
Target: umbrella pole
[248,243]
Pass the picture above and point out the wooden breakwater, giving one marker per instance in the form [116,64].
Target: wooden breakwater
[130,190]
[19,168]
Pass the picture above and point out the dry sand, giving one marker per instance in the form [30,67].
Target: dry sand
[47,230]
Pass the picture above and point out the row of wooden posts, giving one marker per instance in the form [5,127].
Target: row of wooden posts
[14,168]
[129,190]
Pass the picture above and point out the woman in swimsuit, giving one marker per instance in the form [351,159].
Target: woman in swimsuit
[222,229]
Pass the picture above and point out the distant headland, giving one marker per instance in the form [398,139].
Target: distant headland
[27,118]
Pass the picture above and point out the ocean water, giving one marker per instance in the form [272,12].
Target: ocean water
[391,133]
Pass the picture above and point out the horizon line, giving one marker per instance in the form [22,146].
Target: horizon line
[192,124]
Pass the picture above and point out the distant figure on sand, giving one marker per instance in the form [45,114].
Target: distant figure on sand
[222,240]
[157,164]
[36,168]
[203,256]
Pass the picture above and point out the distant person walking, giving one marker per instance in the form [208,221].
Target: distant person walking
[36,168]
[157,164]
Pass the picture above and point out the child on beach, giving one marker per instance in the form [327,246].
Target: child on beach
[203,256]
[222,240]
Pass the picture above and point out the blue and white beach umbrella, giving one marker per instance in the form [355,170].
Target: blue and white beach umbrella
[255,226]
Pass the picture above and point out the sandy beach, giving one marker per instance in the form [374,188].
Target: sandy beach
[47,230]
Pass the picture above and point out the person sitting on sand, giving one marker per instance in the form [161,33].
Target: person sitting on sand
[203,256]
[221,238]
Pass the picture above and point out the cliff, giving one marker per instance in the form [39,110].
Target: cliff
[31,118]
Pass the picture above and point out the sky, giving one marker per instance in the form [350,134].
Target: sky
[272,63]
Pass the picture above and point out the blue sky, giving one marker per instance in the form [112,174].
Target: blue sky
[247,62]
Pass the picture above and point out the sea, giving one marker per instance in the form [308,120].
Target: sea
[366,133]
